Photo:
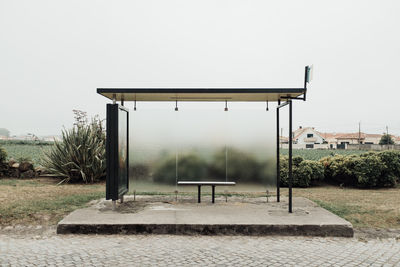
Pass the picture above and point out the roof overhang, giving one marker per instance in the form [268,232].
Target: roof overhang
[202,94]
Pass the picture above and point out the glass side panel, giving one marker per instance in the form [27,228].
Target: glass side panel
[122,150]
[201,141]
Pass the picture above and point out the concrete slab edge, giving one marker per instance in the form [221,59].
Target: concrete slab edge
[339,230]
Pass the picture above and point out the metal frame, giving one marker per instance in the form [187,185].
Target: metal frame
[289,102]
[282,91]
[278,174]
[278,169]
[121,93]
[199,184]
[113,191]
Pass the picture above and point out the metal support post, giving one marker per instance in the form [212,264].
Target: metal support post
[114,205]
[121,200]
[278,174]
[213,193]
[305,82]
[290,156]
[198,193]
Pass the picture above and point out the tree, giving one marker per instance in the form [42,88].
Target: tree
[386,139]
[4,132]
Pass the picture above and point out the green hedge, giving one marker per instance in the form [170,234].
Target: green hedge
[367,170]
[305,172]
[242,168]
[190,167]
[371,169]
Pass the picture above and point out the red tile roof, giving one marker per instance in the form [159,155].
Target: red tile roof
[351,136]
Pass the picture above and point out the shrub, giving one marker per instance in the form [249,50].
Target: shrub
[391,174]
[139,171]
[3,155]
[268,172]
[190,167]
[305,172]
[366,170]
[296,160]
[302,175]
[80,155]
[317,169]
[242,167]
[339,169]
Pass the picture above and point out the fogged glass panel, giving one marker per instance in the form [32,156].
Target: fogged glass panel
[202,142]
[122,150]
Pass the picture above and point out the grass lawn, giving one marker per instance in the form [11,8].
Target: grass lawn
[42,201]
[378,208]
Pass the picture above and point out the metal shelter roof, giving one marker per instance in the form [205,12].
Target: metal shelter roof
[201,94]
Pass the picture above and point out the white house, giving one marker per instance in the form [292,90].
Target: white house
[307,137]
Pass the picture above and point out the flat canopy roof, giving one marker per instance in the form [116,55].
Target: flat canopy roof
[201,94]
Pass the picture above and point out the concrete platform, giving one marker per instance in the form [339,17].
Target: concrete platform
[238,216]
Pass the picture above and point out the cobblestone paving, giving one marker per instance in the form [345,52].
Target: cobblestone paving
[151,250]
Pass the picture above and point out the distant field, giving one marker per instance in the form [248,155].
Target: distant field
[28,151]
[317,154]
[35,151]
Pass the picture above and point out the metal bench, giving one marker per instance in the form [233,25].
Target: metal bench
[212,184]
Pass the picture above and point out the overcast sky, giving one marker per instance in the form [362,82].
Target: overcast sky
[54,54]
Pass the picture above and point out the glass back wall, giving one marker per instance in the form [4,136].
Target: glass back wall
[201,141]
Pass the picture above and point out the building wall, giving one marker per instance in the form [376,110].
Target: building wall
[373,140]
[303,139]
[350,141]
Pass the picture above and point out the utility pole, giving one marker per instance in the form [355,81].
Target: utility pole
[387,130]
[359,135]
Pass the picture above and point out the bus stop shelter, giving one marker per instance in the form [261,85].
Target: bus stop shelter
[117,125]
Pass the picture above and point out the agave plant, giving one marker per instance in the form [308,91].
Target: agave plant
[80,155]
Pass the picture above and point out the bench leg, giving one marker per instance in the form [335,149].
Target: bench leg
[198,193]
[213,193]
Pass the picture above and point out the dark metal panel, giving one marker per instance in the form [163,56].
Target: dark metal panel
[111,152]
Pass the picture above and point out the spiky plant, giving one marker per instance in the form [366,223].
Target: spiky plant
[80,155]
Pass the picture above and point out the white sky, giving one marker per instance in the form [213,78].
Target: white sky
[54,54]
